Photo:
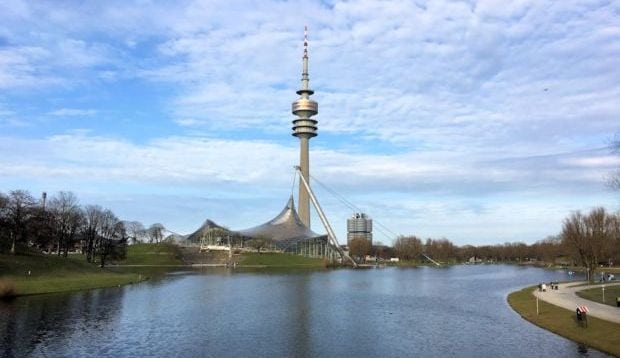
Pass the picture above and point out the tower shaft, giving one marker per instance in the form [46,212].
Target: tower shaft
[304,165]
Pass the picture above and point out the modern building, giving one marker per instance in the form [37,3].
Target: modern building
[359,226]
[285,232]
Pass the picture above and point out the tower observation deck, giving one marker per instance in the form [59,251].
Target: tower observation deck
[304,128]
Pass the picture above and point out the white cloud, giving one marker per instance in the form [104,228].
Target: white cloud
[604,161]
[171,160]
[192,160]
[72,112]
[188,122]
[18,68]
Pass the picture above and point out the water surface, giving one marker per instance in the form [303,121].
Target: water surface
[459,311]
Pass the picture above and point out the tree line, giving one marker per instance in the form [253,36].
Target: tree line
[588,240]
[60,225]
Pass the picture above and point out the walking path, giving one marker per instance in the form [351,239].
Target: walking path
[565,297]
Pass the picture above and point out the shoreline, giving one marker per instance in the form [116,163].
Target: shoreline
[151,260]
[117,275]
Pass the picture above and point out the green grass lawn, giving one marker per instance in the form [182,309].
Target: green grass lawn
[80,281]
[39,264]
[152,254]
[599,334]
[37,273]
[280,260]
[596,294]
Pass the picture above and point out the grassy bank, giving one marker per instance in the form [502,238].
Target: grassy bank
[280,260]
[36,273]
[599,334]
[596,294]
[153,254]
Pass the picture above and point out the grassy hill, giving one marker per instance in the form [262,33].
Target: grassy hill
[38,273]
[153,254]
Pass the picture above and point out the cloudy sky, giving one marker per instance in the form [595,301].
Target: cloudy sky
[479,121]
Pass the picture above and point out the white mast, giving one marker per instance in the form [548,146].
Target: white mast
[330,233]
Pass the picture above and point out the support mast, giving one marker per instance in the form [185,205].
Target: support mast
[331,236]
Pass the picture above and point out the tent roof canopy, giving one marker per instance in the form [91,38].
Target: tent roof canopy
[285,226]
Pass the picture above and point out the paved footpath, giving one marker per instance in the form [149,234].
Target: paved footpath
[565,297]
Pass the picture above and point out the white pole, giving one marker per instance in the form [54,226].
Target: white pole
[330,233]
[433,261]
[603,293]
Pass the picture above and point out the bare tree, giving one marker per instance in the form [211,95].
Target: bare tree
[408,247]
[113,239]
[67,219]
[359,247]
[19,212]
[155,232]
[548,250]
[135,231]
[591,237]
[93,218]
[441,249]
[4,204]
[109,231]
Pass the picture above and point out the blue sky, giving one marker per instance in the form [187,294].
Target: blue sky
[479,121]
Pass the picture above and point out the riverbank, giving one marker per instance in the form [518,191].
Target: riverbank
[37,273]
[600,334]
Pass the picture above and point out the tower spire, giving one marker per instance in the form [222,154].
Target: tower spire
[304,72]
[304,128]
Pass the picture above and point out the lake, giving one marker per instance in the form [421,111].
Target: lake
[459,311]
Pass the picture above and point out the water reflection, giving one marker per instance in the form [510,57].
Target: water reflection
[300,318]
[458,311]
[55,320]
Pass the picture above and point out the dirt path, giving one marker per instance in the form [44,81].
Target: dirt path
[566,297]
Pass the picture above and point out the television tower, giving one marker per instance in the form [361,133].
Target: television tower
[304,128]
